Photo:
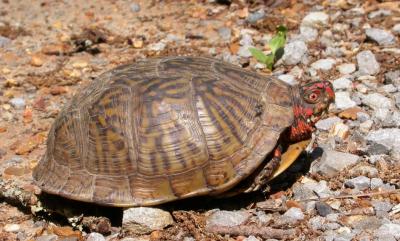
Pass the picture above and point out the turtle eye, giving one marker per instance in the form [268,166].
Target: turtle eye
[313,97]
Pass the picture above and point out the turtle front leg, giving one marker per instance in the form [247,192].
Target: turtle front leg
[263,177]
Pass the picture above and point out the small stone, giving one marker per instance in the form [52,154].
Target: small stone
[143,220]
[294,213]
[58,90]
[389,137]
[135,7]
[377,101]
[342,83]
[377,149]
[227,218]
[225,33]
[363,222]
[288,79]
[332,162]
[18,103]
[395,29]
[251,238]
[294,52]
[376,183]
[352,113]
[323,209]
[346,68]
[380,36]
[315,19]
[379,13]
[254,17]
[317,222]
[4,42]
[364,170]
[308,34]
[339,130]
[343,100]
[138,43]
[50,237]
[36,60]
[80,64]
[393,77]
[323,64]
[95,237]
[12,228]
[326,124]
[367,64]
[388,231]
[158,46]
[359,183]
[390,88]
[244,51]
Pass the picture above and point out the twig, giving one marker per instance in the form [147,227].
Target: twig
[247,230]
[350,196]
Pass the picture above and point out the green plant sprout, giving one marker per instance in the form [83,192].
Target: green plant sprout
[276,44]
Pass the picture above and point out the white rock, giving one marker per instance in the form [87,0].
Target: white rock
[389,137]
[315,19]
[288,79]
[343,100]
[294,213]
[143,220]
[227,218]
[326,124]
[342,83]
[11,227]
[308,34]
[380,36]
[332,162]
[377,101]
[367,64]
[388,231]
[346,68]
[294,52]
[396,28]
[323,64]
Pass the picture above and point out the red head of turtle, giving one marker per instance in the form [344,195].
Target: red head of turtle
[313,103]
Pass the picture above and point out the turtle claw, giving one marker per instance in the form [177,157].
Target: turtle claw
[309,148]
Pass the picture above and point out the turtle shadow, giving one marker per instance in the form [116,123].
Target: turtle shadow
[62,208]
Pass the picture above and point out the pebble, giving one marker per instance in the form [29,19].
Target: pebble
[389,137]
[227,218]
[135,7]
[18,103]
[390,88]
[380,36]
[377,149]
[11,227]
[323,209]
[315,19]
[317,222]
[359,183]
[294,52]
[225,33]
[36,61]
[251,238]
[95,237]
[346,68]
[294,213]
[308,34]
[388,232]
[288,78]
[326,124]
[144,220]
[343,100]
[323,64]
[50,237]
[4,42]
[158,46]
[332,162]
[339,130]
[376,183]
[392,77]
[379,13]
[395,29]
[377,101]
[342,83]
[257,15]
[367,64]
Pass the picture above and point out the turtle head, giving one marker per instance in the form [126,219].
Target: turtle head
[312,104]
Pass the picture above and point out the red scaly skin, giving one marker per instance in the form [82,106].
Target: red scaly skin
[309,107]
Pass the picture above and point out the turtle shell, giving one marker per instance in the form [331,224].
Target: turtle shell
[164,129]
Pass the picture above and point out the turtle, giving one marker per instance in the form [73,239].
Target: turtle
[167,128]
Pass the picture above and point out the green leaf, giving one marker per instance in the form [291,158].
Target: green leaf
[259,55]
[269,62]
[279,40]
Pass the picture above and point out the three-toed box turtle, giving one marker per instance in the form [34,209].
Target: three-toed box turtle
[170,128]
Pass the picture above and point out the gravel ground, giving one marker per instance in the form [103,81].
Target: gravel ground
[346,189]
